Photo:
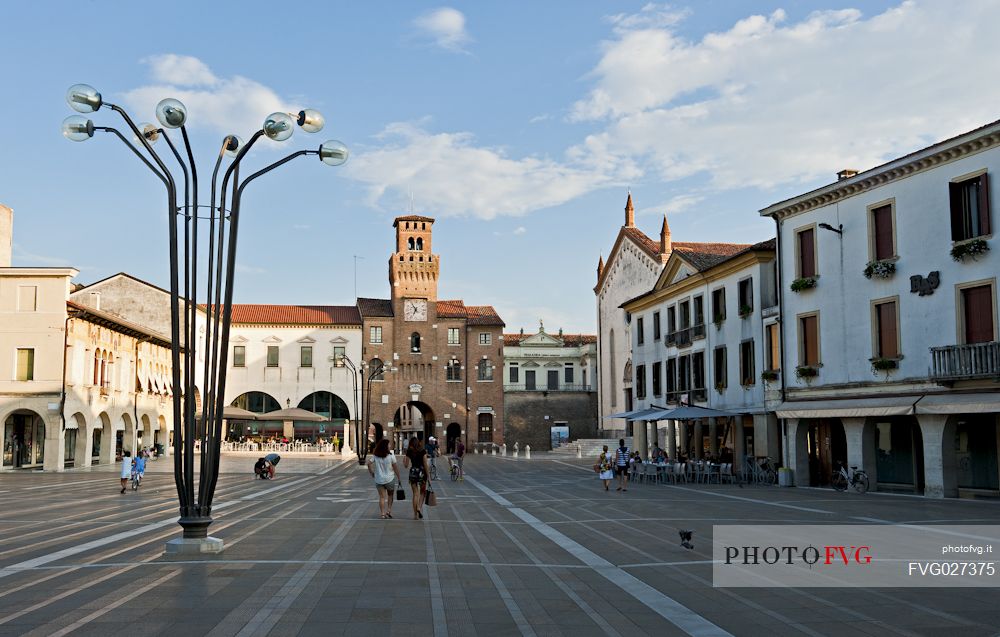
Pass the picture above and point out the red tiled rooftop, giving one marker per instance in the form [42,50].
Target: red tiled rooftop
[296,314]
[569,340]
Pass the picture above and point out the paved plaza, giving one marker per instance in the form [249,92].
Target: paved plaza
[520,548]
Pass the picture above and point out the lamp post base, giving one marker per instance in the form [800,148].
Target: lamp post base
[194,546]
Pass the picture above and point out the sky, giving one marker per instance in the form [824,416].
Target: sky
[519,126]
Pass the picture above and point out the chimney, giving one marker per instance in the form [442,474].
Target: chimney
[629,213]
[846,173]
[665,243]
[6,235]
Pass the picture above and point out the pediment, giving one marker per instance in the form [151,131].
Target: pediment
[271,339]
[339,340]
[677,269]
[306,339]
[543,340]
[239,339]
[530,364]
[553,364]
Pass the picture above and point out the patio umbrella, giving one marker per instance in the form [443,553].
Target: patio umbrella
[624,414]
[689,412]
[293,413]
[647,414]
[234,413]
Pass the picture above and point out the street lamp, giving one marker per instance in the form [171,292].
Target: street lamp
[344,361]
[218,275]
[375,372]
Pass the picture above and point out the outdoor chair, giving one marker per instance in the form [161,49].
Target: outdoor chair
[714,473]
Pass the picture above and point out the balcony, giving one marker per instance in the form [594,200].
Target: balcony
[570,387]
[965,362]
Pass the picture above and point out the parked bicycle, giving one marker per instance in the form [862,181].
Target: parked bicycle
[453,469]
[761,471]
[856,479]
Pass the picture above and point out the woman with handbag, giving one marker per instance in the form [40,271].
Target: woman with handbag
[416,462]
[605,467]
[382,466]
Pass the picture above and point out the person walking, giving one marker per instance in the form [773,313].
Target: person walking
[621,465]
[606,467]
[459,459]
[416,461]
[382,466]
[126,468]
[140,463]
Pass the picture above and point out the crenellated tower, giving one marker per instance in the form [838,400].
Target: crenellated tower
[413,269]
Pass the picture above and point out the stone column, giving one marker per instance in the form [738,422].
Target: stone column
[699,440]
[639,437]
[684,438]
[713,434]
[859,454]
[288,429]
[798,451]
[54,445]
[672,439]
[83,442]
[650,438]
[940,470]
[739,445]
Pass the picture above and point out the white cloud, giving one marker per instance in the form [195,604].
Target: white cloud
[448,174]
[446,27]
[769,102]
[674,205]
[540,118]
[520,230]
[228,105]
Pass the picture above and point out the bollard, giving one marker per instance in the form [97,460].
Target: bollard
[503,450]
[517,447]
[579,450]
[527,452]
[493,450]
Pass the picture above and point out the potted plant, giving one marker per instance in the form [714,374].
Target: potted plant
[718,319]
[879,269]
[803,283]
[720,387]
[972,249]
[883,365]
[806,372]
[745,311]
[769,375]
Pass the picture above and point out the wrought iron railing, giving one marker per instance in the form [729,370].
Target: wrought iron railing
[957,362]
[569,387]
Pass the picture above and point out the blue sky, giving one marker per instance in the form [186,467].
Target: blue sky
[518,125]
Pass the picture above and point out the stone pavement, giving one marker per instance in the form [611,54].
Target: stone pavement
[520,548]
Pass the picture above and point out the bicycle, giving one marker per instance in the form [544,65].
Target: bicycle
[136,480]
[453,469]
[434,470]
[856,479]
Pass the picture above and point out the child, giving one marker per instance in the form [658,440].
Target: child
[140,464]
[126,468]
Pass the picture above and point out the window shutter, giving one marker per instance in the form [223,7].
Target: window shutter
[957,226]
[810,345]
[984,204]
[978,312]
[807,254]
[887,337]
[883,232]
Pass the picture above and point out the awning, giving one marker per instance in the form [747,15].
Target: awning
[689,412]
[623,414]
[644,414]
[848,407]
[960,403]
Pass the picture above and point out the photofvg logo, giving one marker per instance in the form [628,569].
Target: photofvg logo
[867,555]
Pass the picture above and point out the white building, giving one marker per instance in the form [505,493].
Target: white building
[293,356]
[706,334]
[896,373]
[633,265]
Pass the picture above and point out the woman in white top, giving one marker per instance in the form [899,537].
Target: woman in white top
[126,468]
[382,466]
[606,467]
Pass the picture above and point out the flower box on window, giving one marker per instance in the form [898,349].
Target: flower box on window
[972,249]
[879,270]
[806,372]
[745,311]
[803,283]
[769,375]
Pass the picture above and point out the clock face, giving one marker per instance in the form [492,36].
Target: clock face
[415,310]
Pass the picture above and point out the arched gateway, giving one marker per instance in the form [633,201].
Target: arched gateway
[415,418]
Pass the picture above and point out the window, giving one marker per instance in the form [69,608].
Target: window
[374,365]
[671,320]
[699,310]
[684,309]
[977,314]
[453,336]
[657,373]
[485,370]
[529,379]
[719,305]
[698,371]
[886,337]
[640,381]
[656,326]
[747,375]
[339,353]
[415,343]
[773,347]
[671,376]
[805,244]
[719,367]
[553,379]
[27,298]
[306,356]
[970,207]
[809,340]
[272,355]
[454,371]
[239,355]
[25,363]
[375,334]
[568,374]
[683,373]
[640,336]
[515,373]
[880,224]
[746,296]
[485,338]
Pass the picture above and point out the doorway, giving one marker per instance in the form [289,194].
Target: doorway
[529,379]
[485,427]
[23,440]
[827,445]
[452,435]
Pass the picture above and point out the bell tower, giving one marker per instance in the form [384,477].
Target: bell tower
[413,270]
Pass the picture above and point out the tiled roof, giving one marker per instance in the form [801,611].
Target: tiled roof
[375,307]
[483,315]
[569,340]
[708,255]
[451,309]
[296,314]
[643,241]
[411,218]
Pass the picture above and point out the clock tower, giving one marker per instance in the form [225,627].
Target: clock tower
[413,270]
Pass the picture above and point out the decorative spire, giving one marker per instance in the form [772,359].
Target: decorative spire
[665,246]
[629,212]
[541,326]
[600,266]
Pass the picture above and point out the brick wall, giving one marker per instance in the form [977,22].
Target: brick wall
[525,412]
